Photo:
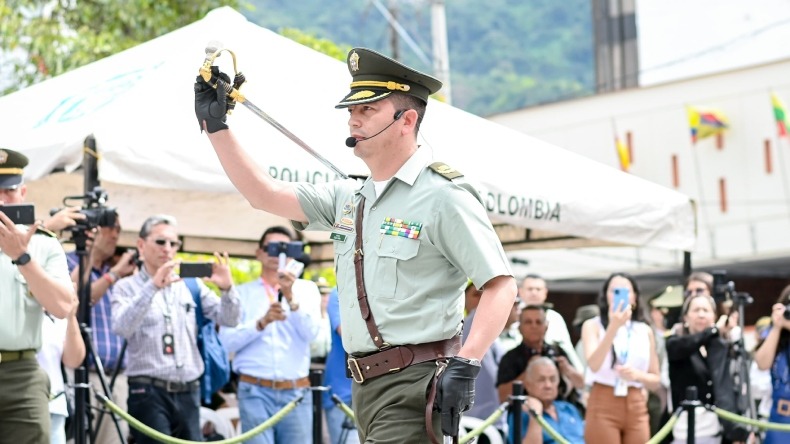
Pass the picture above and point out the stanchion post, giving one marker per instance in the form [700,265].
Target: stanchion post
[690,404]
[316,380]
[515,409]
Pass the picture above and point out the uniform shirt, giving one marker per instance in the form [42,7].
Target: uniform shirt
[106,344]
[138,314]
[281,351]
[20,312]
[414,285]
[49,358]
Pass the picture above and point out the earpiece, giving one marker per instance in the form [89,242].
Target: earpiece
[399,114]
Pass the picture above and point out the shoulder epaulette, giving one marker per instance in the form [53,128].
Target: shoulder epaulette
[445,171]
[45,232]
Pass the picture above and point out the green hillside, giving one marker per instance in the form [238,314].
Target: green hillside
[504,54]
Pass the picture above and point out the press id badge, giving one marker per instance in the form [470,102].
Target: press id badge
[621,387]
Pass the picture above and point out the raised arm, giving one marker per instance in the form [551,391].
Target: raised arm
[260,189]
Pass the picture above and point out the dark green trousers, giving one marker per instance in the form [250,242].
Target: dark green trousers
[24,403]
[391,408]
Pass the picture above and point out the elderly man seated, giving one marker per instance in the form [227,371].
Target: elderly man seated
[542,380]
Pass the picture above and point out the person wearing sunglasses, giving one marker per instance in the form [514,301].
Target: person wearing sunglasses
[700,283]
[154,311]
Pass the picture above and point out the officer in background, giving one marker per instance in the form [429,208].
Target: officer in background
[33,274]
[405,242]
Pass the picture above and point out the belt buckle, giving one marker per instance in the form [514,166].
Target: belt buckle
[783,407]
[171,386]
[352,360]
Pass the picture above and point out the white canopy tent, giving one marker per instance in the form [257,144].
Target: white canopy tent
[139,106]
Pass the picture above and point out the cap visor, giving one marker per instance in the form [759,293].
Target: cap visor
[359,97]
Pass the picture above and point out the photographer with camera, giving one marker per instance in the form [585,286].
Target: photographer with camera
[773,353]
[33,274]
[281,315]
[533,326]
[699,356]
[104,273]
[155,311]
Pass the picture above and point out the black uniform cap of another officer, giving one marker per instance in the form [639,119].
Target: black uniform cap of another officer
[12,164]
[375,76]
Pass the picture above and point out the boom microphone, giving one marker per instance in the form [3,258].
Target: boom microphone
[351,142]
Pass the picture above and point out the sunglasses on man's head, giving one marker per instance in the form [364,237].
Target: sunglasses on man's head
[172,243]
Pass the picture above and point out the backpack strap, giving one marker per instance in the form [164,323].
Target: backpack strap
[195,290]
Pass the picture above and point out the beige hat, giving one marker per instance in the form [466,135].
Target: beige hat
[584,313]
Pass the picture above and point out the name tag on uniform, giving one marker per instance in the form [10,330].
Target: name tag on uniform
[340,237]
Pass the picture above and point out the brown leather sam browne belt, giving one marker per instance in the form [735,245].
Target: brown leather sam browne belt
[397,358]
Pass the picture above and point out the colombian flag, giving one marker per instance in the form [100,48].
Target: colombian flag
[705,122]
[780,114]
[623,154]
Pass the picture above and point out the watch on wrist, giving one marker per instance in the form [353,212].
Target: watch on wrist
[21,260]
[469,361]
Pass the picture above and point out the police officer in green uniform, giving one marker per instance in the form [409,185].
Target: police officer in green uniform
[405,242]
[33,274]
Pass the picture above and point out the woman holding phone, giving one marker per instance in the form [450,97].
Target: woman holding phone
[773,352]
[621,364]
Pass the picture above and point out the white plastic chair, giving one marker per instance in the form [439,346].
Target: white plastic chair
[232,415]
[222,424]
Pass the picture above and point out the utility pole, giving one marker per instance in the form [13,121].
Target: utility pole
[441,55]
[392,8]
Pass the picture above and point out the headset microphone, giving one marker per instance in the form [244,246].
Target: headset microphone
[351,142]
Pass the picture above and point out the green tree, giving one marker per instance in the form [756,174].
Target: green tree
[45,38]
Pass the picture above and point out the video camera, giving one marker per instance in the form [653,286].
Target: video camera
[96,213]
[724,290]
[291,249]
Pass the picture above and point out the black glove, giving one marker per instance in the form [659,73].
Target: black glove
[211,104]
[455,393]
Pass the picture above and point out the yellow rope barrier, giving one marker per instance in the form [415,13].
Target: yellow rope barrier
[664,431]
[734,417]
[155,434]
[477,431]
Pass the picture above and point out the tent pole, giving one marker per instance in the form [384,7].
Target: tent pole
[90,164]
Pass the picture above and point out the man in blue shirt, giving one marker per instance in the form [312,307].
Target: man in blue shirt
[280,317]
[339,384]
[542,380]
[106,344]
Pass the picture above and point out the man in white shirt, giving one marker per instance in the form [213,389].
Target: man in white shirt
[533,291]
[281,316]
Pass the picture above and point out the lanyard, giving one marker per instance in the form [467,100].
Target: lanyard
[167,310]
[271,291]
[622,355]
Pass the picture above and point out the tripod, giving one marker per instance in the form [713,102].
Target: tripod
[742,360]
[83,416]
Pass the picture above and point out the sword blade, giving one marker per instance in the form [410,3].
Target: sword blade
[270,120]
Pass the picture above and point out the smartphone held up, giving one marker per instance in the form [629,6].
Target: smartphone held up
[621,300]
[195,269]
